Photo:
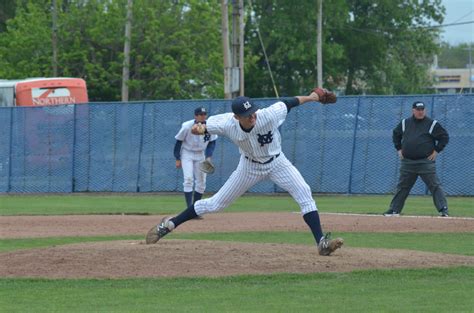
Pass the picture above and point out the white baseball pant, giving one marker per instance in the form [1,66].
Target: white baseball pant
[248,173]
[192,174]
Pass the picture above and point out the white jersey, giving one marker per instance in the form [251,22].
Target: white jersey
[191,142]
[263,141]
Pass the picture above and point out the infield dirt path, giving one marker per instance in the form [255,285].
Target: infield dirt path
[107,225]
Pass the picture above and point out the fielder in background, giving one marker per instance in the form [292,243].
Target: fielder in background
[418,140]
[256,134]
[190,150]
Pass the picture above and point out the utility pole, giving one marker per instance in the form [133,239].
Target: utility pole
[233,55]
[319,44]
[470,68]
[126,52]
[54,9]
[241,48]
[225,49]
[237,42]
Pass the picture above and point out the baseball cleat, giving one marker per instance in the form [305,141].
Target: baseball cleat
[159,231]
[391,213]
[327,245]
[444,212]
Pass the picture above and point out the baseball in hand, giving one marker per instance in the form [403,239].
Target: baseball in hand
[200,129]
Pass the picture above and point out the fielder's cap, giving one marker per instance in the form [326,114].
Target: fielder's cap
[243,106]
[418,105]
[200,111]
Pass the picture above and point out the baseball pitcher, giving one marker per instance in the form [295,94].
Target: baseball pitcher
[255,132]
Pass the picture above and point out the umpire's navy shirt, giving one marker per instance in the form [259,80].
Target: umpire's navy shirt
[416,142]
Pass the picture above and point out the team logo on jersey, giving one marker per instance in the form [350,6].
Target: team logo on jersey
[265,139]
[207,137]
[247,105]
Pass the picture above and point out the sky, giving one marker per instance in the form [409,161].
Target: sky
[458,11]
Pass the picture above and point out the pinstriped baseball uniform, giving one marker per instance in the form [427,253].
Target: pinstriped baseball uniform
[192,153]
[256,134]
[261,158]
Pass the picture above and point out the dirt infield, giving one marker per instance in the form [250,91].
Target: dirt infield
[107,225]
[170,257]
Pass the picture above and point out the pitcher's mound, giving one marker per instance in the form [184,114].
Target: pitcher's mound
[121,259]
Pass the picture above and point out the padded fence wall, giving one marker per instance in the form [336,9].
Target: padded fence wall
[128,147]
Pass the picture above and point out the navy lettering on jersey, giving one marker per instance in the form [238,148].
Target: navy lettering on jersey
[265,139]
[207,137]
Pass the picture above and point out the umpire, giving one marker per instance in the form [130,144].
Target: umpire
[418,140]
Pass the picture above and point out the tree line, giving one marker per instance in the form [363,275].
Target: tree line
[369,46]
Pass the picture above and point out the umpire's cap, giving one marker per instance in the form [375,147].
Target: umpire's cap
[418,105]
[200,111]
[243,106]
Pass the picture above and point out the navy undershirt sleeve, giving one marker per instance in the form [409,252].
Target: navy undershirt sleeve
[177,149]
[290,102]
[210,148]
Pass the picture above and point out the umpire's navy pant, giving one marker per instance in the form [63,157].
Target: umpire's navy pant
[409,172]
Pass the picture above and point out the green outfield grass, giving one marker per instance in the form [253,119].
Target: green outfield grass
[169,204]
[428,290]
[402,290]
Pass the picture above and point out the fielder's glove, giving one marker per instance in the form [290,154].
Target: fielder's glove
[207,167]
[325,96]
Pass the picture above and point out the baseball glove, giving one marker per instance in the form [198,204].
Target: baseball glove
[207,167]
[325,96]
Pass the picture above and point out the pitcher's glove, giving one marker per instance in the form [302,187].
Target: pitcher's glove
[206,166]
[325,96]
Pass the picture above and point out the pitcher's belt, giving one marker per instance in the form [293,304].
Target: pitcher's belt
[266,162]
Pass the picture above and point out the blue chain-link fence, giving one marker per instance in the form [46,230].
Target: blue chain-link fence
[128,147]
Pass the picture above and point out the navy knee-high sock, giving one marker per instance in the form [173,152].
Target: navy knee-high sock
[197,196]
[312,219]
[189,198]
[184,216]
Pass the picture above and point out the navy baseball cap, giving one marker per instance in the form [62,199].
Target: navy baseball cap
[200,111]
[418,105]
[243,106]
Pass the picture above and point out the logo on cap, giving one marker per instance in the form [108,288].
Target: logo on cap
[418,105]
[200,111]
[243,106]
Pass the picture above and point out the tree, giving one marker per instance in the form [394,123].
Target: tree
[454,56]
[7,11]
[177,52]
[23,52]
[288,31]
[369,46]
[389,46]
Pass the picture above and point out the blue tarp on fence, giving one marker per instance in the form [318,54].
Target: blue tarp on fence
[128,147]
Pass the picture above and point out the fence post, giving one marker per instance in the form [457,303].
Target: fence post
[10,152]
[140,151]
[73,159]
[349,189]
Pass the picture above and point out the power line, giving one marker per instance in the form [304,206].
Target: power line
[446,25]
[462,17]
[379,31]
[264,52]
